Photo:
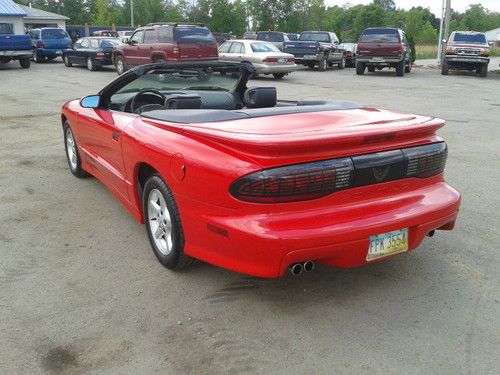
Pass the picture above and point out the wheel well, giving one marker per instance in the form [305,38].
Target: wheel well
[63,120]
[144,171]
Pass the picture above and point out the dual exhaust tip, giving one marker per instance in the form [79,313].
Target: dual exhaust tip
[296,269]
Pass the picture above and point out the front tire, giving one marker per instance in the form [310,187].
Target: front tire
[483,70]
[408,67]
[91,65]
[67,62]
[163,224]
[445,68]
[72,154]
[323,64]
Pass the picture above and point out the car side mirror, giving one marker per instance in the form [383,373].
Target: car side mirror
[91,101]
[444,41]
[491,44]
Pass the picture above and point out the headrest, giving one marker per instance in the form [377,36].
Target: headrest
[260,97]
[183,102]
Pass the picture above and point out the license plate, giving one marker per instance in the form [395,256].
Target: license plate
[378,59]
[310,57]
[282,60]
[386,244]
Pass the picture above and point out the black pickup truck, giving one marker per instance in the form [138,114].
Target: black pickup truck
[14,47]
[319,48]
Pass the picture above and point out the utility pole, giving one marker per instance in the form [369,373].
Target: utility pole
[132,13]
[444,29]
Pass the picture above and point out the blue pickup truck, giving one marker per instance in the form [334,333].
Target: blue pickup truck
[14,47]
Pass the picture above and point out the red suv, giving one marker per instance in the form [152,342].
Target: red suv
[158,42]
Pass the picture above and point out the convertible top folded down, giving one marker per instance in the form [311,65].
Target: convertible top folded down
[190,116]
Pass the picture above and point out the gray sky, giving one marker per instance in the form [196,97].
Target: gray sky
[435,5]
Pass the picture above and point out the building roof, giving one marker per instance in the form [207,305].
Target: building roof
[39,14]
[9,8]
[493,35]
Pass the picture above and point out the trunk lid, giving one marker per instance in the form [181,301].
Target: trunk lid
[301,137]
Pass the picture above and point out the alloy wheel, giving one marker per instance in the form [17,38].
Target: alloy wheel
[71,150]
[159,221]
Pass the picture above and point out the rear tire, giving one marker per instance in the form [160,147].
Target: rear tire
[400,69]
[408,67]
[163,224]
[37,58]
[120,65]
[278,75]
[360,68]
[67,62]
[91,65]
[25,62]
[445,68]
[483,70]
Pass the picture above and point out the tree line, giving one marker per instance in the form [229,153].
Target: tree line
[238,16]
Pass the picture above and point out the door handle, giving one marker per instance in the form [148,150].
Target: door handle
[115,136]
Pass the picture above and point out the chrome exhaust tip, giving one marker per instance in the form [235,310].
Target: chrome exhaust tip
[296,269]
[431,233]
[309,266]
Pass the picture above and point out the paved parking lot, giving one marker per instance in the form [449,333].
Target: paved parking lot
[81,291]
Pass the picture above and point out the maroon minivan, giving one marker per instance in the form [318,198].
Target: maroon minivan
[158,42]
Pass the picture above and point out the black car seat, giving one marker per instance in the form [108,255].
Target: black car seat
[260,97]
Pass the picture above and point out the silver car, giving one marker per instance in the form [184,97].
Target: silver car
[264,56]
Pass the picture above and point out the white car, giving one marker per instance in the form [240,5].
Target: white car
[265,57]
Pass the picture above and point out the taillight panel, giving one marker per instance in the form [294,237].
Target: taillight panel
[314,180]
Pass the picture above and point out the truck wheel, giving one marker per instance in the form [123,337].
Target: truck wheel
[37,58]
[483,70]
[25,62]
[322,64]
[360,68]
[120,65]
[400,69]
[408,67]
[371,69]
[341,64]
[445,68]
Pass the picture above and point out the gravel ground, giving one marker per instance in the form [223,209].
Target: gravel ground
[81,291]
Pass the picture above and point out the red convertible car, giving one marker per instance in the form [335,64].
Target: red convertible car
[233,176]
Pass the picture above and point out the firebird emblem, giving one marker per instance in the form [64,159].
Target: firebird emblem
[381,172]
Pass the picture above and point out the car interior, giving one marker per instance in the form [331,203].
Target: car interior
[188,96]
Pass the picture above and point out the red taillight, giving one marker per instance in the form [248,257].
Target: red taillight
[40,45]
[270,60]
[295,183]
[177,52]
[101,54]
[425,161]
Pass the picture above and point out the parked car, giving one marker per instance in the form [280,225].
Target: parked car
[222,37]
[275,37]
[265,57]
[92,52]
[349,53]
[236,177]
[383,47]
[108,33]
[250,35]
[466,50]
[14,47]
[319,48]
[292,36]
[125,35]
[165,42]
[49,43]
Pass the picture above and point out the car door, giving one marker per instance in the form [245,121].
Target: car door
[145,49]
[131,51]
[82,51]
[235,52]
[73,53]
[100,136]
[224,51]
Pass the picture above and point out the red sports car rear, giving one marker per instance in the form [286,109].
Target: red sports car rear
[267,185]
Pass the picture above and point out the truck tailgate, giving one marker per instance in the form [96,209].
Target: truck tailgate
[15,42]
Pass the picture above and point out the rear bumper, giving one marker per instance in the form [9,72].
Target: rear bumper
[467,59]
[103,61]
[13,53]
[270,69]
[379,60]
[264,244]
[50,52]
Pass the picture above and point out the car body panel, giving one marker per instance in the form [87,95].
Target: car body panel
[50,42]
[85,48]
[264,239]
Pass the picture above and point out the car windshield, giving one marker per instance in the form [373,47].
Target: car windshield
[470,38]
[109,43]
[54,34]
[185,79]
[293,37]
[6,28]
[264,47]
[194,35]
[380,36]
[271,37]
[315,37]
